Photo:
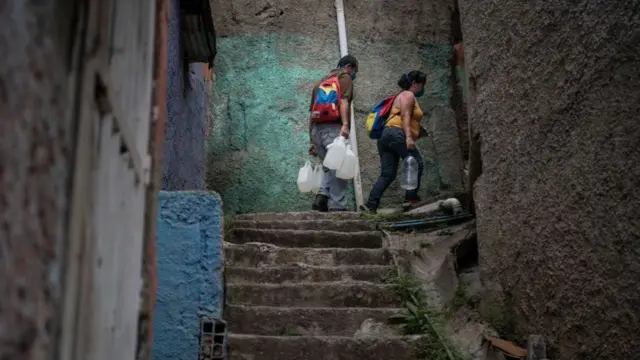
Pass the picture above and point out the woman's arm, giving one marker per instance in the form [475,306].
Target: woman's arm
[406,103]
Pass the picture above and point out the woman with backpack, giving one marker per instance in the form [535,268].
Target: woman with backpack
[398,137]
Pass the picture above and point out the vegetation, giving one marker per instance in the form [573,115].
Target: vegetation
[228,228]
[419,318]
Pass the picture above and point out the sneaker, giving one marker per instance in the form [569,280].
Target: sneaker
[321,203]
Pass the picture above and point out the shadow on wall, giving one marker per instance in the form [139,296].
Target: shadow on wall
[184,154]
[190,266]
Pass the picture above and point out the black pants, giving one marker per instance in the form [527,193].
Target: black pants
[392,147]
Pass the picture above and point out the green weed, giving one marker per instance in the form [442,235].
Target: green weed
[419,318]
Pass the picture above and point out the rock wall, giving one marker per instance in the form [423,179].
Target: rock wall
[190,262]
[556,100]
[271,53]
[36,156]
[184,155]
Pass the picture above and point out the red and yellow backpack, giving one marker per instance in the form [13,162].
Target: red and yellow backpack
[326,105]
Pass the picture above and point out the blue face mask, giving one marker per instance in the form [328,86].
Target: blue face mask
[353,75]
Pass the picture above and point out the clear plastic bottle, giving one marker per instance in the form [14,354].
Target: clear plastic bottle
[409,180]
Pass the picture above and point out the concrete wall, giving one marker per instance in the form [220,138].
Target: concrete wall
[189,271]
[555,97]
[271,53]
[184,155]
[36,154]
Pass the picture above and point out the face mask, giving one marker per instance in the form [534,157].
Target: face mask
[353,75]
[420,92]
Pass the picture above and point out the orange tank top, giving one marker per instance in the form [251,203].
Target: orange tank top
[395,120]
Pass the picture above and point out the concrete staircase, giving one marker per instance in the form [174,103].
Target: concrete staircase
[308,286]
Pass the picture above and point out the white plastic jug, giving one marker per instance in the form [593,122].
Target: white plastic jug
[305,178]
[318,175]
[335,153]
[347,170]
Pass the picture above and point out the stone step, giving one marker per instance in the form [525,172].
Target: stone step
[328,294]
[326,224]
[256,254]
[305,215]
[252,347]
[306,273]
[309,238]
[297,321]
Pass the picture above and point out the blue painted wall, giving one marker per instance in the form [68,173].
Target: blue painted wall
[184,154]
[190,267]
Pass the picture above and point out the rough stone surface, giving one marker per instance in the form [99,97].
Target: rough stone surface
[297,216]
[311,301]
[557,104]
[265,320]
[36,156]
[536,347]
[249,347]
[184,145]
[346,294]
[270,54]
[264,255]
[309,238]
[189,271]
[332,225]
[306,273]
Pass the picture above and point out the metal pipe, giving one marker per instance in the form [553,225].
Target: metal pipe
[342,33]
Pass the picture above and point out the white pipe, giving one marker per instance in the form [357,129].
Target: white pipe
[342,33]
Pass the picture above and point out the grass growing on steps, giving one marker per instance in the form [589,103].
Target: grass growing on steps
[228,223]
[418,318]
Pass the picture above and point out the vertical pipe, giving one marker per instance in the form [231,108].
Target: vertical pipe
[342,33]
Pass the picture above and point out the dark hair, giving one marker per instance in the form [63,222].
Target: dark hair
[348,60]
[409,78]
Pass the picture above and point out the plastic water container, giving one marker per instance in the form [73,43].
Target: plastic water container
[305,178]
[335,153]
[409,180]
[318,175]
[347,170]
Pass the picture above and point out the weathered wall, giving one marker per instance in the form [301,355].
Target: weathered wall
[184,155]
[189,271]
[35,169]
[271,53]
[557,105]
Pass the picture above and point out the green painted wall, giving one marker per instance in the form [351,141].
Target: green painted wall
[260,108]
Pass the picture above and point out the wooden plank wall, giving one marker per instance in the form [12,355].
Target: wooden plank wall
[103,277]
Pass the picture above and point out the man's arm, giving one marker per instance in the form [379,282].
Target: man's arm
[346,96]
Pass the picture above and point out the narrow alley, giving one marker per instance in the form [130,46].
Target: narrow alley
[319,180]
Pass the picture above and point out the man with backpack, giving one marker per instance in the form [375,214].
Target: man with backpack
[330,110]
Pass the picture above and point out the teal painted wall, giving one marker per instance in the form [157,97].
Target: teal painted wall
[260,109]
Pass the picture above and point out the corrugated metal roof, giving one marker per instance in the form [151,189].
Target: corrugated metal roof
[197,32]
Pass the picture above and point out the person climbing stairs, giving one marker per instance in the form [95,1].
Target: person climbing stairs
[310,286]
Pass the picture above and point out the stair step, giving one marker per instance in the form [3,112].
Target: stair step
[280,321]
[252,255]
[250,347]
[305,215]
[329,294]
[309,238]
[323,224]
[305,273]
